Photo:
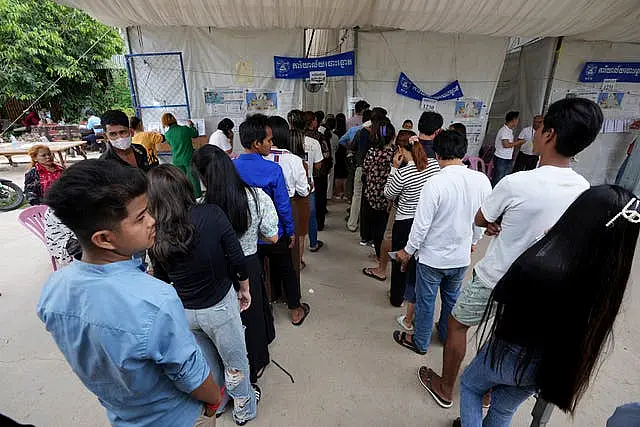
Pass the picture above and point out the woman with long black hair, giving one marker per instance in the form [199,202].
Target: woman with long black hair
[197,251]
[252,216]
[554,310]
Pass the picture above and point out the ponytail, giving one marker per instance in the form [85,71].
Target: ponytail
[419,156]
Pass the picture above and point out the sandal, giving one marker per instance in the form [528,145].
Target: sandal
[401,338]
[427,386]
[368,271]
[305,307]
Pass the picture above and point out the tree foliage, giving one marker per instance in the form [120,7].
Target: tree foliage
[40,41]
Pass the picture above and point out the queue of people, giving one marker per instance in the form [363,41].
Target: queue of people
[176,355]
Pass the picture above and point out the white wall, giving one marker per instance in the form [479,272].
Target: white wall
[432,61]
[599,163]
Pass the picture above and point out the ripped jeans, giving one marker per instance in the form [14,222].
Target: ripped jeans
[220,335]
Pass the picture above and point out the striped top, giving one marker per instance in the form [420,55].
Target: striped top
[405,185]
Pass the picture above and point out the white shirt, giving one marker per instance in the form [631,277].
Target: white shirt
[530,203]
[527,134]
[293,171]
[443,229]
[219,139]
[314,155]
[505,132]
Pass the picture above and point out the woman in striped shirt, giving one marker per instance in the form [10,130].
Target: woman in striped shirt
[411,170]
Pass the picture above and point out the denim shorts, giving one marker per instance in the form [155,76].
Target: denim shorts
[471,304]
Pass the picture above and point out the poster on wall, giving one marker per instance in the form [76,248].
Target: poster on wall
[610,100]
[198,123]
[286,67]
[260,102]
[468,109]
[622,72]
[223,102]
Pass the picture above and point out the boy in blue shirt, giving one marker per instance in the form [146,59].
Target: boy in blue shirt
[123,332]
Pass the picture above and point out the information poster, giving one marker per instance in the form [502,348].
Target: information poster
[224,102]
[610,100]
[261,101]
[468,109]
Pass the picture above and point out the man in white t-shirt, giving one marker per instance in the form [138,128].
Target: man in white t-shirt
[313,150]
[521,208]
[502,158]
[223,136]
[526,159]
[442,237]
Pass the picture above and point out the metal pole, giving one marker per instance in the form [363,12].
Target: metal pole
[547,92]
[186,93]
[541,412]
[354,92]
[131,73]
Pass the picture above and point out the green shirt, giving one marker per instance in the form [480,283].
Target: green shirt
[179,138]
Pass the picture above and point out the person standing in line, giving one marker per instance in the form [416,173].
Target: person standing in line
[429,125]
[443,236]
[255,137]
[330,136]
[321,174]
[123,332]
[536,198]
[295,175]
[223,136]
[251,214]
[360,144]
[120,148]
[584,262]
[407,125]
[411,170]
[502,158]
[348,142]
[148,140]
[313,150]
[526,160]
[356,119]
[180,140]
[197,251]
[376,167]
[340,168]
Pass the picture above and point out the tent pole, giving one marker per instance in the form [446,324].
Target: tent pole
[547,93]
[354,91]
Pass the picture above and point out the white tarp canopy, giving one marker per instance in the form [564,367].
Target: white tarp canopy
[611,20]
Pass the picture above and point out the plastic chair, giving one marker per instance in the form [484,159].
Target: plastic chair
[477,164]
[33,220]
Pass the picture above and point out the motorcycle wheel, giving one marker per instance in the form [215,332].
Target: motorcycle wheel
[11,196]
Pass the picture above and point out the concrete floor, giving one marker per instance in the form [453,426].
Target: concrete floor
[347,369]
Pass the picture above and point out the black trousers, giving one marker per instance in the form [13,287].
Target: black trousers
[525,162]
[399,279]
[373,223]
[321,184]
[281,270]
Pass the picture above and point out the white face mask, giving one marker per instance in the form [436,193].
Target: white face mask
[122,143]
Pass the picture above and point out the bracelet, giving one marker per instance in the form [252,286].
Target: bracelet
[215,408]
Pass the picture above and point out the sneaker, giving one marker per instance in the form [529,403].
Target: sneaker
[363,243]
[258,393]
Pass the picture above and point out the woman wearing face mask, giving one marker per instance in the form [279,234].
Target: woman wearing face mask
[120,148]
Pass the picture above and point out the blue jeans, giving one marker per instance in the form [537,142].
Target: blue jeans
[501,168]
[506,396]
[429,279]
[220,335]
[313,221]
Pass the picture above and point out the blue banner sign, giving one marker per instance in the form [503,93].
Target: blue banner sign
[298,68]
[626,72]
[407,88]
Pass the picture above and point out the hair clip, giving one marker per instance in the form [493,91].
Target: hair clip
[383,130]
[413,139]
[631,215]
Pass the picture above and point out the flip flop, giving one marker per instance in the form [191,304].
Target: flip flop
[367,271]
[446,404]
[305,307]
[401,338]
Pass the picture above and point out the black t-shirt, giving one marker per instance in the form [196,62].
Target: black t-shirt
[204,275]
[139,152]
[428,148]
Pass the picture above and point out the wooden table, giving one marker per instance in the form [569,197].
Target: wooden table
[59,147]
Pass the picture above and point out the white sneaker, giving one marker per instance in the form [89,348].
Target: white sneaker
[400,320]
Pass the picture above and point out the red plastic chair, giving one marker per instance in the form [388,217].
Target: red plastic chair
[33,220]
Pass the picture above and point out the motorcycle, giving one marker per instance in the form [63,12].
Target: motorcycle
[11,195]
